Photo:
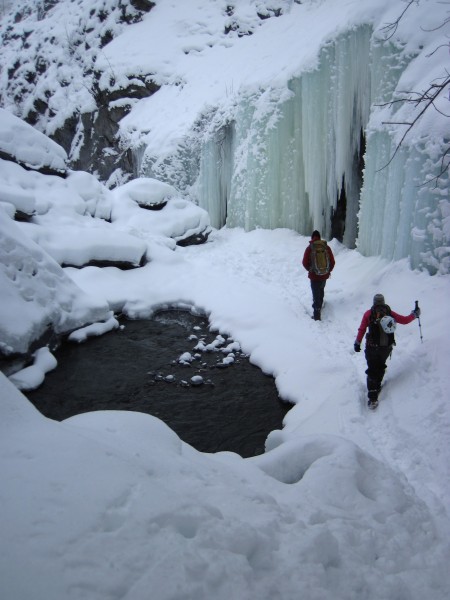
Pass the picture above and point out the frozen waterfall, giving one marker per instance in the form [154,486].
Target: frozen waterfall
[314,155]
[400,214]
[293,151]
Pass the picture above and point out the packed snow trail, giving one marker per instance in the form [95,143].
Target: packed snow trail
[330,390]
[253,286]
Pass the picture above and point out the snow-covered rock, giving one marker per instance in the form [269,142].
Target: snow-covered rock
[178,217]
[36,294]
[28,146]
[146,192]
[33,376]
[99,244]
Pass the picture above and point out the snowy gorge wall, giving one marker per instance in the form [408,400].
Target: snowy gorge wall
[268,114]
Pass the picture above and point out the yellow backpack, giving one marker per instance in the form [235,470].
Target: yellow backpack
[320,260]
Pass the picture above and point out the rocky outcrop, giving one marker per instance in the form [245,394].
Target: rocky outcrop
[92,136]
[45,66]
[196,239]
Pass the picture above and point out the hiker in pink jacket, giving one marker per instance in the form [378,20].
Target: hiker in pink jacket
[380,321]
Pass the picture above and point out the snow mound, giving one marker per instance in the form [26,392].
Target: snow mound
[36,293]
[178,219]
[28,146]
[146,191]
[79,246]
[31,377]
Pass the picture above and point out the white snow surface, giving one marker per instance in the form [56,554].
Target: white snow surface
[35,292]
[345,503]
[29,146]
[33,376]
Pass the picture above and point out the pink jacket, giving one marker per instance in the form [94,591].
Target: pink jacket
[402,319]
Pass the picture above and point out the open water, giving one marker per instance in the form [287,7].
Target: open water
[227,407]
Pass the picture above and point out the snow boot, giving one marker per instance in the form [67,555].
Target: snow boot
[373,398]
[316,315]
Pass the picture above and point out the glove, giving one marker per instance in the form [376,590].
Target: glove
[357,347]
[416,312]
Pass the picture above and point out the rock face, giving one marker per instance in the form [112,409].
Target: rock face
[96,132]
[52,82]
[194,240]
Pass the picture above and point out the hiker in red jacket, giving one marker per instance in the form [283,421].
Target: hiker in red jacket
[380,320]
[318,260]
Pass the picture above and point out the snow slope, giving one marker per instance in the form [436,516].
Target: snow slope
[345,503]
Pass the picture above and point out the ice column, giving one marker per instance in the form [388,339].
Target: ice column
[404,207]
[214,184]
[401,214]
[292,149]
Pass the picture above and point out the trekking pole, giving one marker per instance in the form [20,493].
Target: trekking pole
[418,318]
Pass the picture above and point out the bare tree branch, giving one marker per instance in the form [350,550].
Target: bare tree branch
[428,100]
[425,99]
[443,24]
[439,47]
[391,28]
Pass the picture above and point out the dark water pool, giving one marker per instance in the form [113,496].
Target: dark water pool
[226,407]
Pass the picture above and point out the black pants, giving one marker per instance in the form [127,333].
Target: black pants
[318,292]
[376,357]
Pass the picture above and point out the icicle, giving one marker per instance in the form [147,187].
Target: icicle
[401,215]
[291,149]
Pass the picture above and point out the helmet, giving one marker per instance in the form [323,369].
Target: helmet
[378,299]
[388,324]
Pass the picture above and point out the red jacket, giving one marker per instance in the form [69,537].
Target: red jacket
[403,320]
[306,262]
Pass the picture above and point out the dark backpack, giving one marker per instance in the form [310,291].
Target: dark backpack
[376,335]
[320,259]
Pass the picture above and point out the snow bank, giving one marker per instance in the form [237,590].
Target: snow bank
[78,246]
[28,146]
[115,501]
[36,293]
[33,376]
[146,192]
